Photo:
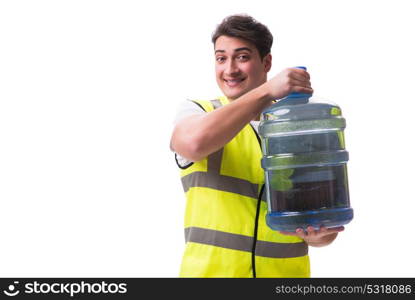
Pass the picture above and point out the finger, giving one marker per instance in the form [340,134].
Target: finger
[300,233]
[288,233]
[300,73]
[295,82]
[335,229]
[299,78]
[323,229]
[311,231]
[300,89]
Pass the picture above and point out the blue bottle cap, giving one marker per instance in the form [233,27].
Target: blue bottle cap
[301,67]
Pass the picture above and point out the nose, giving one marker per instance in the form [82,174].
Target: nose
[231,68]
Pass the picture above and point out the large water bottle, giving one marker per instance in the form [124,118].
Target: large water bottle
[305,164]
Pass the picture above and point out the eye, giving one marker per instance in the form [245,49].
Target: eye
[243,57]
[220,59]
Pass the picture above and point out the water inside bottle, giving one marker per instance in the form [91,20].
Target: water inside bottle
[310,188]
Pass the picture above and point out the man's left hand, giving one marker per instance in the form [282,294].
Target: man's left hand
[316,238]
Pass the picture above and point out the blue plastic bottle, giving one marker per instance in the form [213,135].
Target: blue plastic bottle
[305,164]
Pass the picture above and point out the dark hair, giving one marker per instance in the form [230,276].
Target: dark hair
[247,28]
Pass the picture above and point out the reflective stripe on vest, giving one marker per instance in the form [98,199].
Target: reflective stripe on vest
[222,192]
[244,243]
[213,179]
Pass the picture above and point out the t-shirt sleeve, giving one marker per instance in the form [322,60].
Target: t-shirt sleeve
[186,109]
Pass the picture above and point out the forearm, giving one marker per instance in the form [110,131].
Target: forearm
[198,137]
[222,125]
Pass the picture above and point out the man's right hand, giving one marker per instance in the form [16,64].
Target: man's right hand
[288,81]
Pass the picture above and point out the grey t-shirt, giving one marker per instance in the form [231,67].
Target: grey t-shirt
[189,108]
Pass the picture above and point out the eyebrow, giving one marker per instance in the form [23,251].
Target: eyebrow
[236,50]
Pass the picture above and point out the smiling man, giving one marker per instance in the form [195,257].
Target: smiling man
[218,151]
[239,66]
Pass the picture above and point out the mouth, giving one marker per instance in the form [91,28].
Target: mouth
[233,82]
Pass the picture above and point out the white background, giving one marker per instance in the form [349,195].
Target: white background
[88,92]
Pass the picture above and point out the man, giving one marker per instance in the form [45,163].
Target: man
[218,150]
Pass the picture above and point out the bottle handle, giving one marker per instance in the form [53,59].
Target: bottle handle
[299,95]
[294,97]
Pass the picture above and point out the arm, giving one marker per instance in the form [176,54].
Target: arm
[195,137]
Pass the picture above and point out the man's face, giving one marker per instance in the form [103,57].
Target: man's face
[238,66]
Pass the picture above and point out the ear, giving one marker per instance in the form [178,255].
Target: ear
[267,61]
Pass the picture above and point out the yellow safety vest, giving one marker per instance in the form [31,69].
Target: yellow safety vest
[225,230]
